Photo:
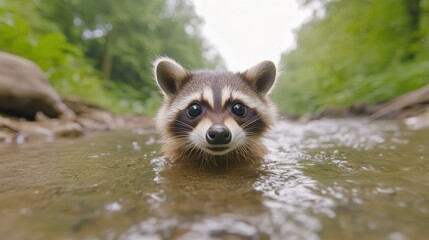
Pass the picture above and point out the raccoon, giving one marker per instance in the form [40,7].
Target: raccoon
[214,117]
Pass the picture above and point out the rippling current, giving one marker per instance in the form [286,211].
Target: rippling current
[328,179]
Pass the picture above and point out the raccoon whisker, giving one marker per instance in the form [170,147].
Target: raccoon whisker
[245,153]
[257,126]
[250,121]
[194,150]
[253,131]
[203,163]
[253,144]
[244,150]
[182,123]
[183,144]
[195,153]
[253,128]
[181,136]
[199,137]
[180,132]
[180,143]
[246,124]
[206,160]
[213,161]
[239,153]
[189,150]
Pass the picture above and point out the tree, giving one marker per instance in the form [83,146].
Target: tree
[352,51]
[122,38]
[72,39]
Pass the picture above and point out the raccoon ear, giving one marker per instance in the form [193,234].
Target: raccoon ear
[169,75]
[262,76]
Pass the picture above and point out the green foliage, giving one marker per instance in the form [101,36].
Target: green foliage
[354,52]
[123,38]
[25,33]
[102,50]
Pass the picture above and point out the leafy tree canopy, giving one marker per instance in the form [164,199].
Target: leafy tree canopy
[102,50]
[353,50]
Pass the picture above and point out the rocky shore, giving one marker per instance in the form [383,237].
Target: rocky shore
[31,110]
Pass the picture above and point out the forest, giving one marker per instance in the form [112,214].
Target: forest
[101,50]
[355,51]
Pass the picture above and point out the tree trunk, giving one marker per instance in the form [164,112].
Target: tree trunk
[414,10]
[106,67]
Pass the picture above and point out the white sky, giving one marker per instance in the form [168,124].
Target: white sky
[249,31]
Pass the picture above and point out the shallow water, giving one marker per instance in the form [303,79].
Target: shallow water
[330,179]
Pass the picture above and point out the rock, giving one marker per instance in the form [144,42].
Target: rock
[97,120]
[70,129]
[6,125]
[5,138]
[19,132]
[24,91]
[418,122]
[80,106]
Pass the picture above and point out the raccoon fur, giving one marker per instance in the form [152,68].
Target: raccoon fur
[214,117]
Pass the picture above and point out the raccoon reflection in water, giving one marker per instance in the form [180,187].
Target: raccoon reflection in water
[214,117]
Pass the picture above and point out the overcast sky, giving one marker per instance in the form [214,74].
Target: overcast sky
[249,31]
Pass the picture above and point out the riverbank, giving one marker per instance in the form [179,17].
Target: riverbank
[411,109]
[32,110]
[87,118]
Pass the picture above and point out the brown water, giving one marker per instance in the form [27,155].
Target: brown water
[330,179]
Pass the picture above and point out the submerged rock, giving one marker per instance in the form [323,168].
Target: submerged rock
[24,91]
[418,122]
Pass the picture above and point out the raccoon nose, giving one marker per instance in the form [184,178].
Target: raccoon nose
[218,134]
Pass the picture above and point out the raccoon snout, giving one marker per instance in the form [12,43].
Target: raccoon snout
[218,134]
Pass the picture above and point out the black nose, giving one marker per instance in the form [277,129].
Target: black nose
[218,134]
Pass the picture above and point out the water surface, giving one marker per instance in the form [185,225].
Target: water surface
[329,179]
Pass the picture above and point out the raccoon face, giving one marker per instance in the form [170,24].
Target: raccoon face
[214,113]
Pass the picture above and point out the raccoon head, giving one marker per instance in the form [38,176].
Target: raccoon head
[211,115]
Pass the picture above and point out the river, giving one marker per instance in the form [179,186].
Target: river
[327,179]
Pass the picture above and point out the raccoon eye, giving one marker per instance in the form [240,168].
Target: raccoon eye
[194,110]
[239,109]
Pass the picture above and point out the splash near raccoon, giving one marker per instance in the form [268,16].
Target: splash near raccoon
[214,117]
